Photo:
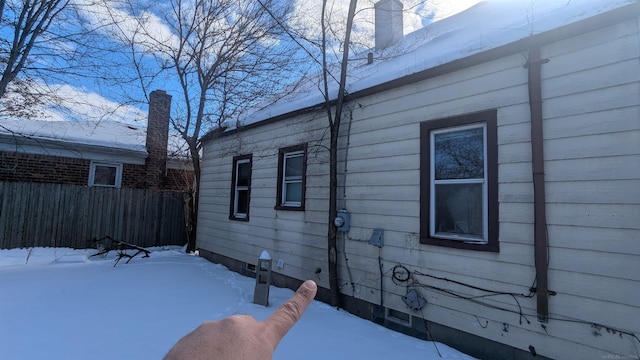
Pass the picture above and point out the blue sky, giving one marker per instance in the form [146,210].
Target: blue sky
[92,99]
[101,98]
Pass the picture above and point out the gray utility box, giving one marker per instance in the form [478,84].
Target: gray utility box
[263,281]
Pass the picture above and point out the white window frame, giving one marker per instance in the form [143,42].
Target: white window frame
[434,182]
[291,179]
[238,188]
[92,173]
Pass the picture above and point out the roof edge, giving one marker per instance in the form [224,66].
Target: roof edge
[623,13]
[72,146]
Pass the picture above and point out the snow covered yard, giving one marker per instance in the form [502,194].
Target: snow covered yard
[63,304]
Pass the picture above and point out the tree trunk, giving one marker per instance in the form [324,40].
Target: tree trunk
[334,284]
[192,220]
[332,248]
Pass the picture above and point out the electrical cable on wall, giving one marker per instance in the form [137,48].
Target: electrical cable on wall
[346,155]
[381,284]
[415,302]
[344,197]
[401,276]
[346,264]
[426,327]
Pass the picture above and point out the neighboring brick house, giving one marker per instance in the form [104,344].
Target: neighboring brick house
[104,153]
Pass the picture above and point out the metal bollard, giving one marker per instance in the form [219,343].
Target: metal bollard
[263,280]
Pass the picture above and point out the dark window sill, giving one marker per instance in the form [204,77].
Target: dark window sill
[490,247]
[289,208]
[231,217]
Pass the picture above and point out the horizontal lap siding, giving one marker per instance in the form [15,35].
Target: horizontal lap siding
[592,172]
[384,139]
[298,238]
[591,152]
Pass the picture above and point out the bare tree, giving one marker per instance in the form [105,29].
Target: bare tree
[28,20]
[222,54]
[45,45]
[24,23]
[333,46]
[334,129]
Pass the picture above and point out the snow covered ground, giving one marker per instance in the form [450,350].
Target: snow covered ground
[63,304]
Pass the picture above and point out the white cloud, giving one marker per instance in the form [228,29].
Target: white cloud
[417,13]
[74,103]
[146,28]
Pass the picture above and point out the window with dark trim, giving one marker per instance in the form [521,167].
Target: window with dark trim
[240,188]
[459,182]
[292,168]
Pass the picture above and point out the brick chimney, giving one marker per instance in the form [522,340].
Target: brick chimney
[157,138]
[388,22]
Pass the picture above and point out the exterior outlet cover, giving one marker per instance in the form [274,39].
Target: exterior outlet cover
[377,238]
[414,300]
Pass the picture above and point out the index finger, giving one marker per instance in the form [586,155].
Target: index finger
[282,320]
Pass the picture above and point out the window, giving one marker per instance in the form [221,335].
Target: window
[105,174]
[292,164]
[458,185]
[240,188]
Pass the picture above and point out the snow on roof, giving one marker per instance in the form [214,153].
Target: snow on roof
[105,133]
[486,25]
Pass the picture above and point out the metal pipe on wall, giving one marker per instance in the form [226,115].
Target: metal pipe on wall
[541,241]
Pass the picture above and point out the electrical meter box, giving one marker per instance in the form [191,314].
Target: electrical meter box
[342,220]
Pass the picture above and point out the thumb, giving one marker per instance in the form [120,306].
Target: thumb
[282,320]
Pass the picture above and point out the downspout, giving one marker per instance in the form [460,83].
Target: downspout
[541,241]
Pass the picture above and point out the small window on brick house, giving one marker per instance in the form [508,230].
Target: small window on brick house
[105,174]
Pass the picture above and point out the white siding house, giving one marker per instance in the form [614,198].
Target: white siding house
[441,152]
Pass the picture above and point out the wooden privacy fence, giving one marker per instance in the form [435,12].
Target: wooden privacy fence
[54,215]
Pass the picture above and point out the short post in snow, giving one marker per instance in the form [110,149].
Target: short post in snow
[263,280]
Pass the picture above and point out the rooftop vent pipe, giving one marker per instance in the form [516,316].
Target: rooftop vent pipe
[388,21]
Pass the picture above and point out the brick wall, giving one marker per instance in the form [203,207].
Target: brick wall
[62,170]
[43,168]
[134,176]
[179,179]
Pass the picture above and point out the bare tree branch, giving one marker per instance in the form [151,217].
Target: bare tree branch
[222,55]
[48,43]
